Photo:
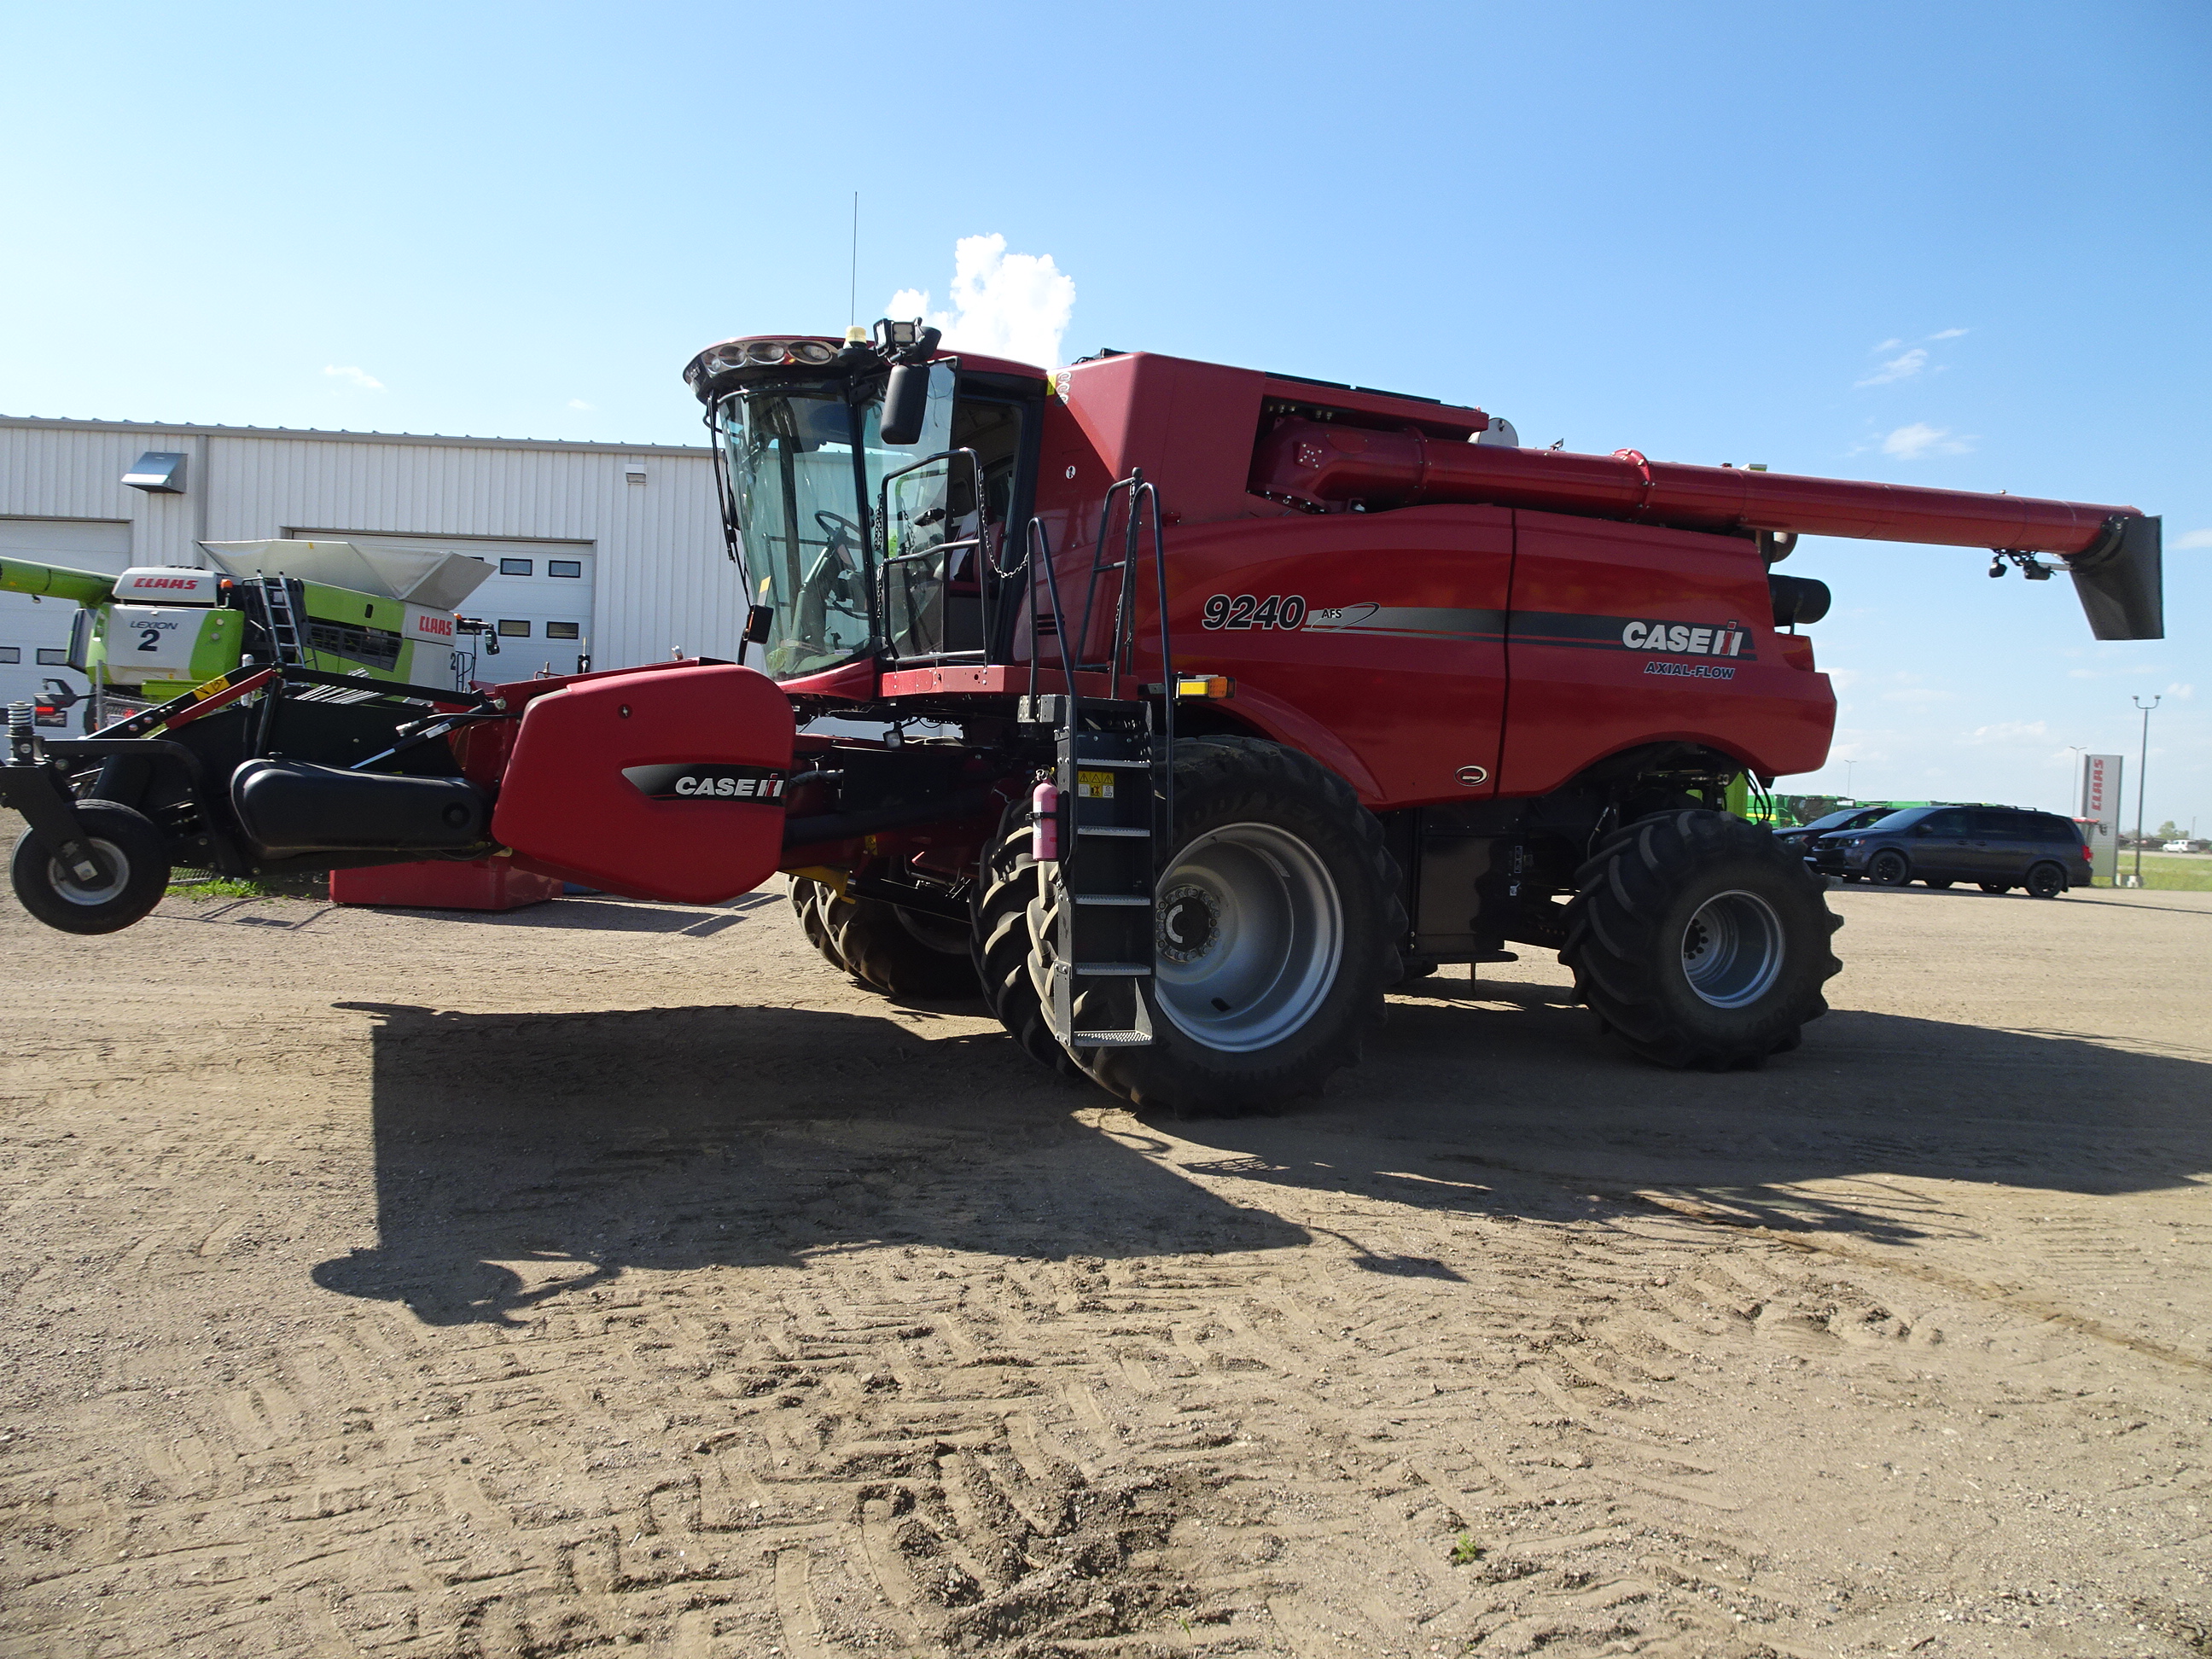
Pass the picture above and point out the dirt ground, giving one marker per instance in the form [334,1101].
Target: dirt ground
[616,1276]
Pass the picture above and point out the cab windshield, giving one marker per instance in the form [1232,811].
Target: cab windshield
[805,463]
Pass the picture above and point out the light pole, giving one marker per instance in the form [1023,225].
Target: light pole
[2074,773]
[1848,790]
[2141,765]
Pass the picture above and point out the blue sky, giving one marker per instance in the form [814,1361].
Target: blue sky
[1959,245]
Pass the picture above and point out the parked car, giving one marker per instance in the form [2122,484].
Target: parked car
[2184,846]
[1800,840]
[1996,848]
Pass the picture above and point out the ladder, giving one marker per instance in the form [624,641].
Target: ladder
[280,601]
[1115,778]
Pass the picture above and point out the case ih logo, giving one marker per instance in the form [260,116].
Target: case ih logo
[707,781]
[442,625]
[1683,640]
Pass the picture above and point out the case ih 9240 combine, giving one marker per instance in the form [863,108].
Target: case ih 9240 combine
[1212,703]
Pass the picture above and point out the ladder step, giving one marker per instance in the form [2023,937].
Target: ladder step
[1110,1040]
[1133,901]
[1123,832]
[1111,970]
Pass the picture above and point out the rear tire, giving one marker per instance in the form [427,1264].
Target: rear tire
[1890,868]
[884,947]
[1698,943]
[1279,923]
[1996,887]
[2046,881]
[137,860]
[806,897]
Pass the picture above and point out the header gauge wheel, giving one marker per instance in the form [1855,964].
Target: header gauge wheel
[1699,942]
[134,872]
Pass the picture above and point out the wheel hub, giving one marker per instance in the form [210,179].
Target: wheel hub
[1732,950]
[64,880]
[1190,923]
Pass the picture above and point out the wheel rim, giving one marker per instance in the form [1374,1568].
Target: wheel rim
[1888,869]
[1249,933]
[64,882]
[1732,950]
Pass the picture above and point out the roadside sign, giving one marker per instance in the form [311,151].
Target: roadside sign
[2101,815]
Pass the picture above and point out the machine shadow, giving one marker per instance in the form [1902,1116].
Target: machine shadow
[1504,1095]
[519,1158]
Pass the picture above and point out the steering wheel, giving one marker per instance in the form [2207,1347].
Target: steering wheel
[844,537]
[839,561]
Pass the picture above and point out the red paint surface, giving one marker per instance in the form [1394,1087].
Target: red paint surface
[442,885]
[567,810]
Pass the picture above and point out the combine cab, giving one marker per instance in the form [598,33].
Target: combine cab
[1177,710]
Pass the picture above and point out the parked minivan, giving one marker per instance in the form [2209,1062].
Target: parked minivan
[1996,848]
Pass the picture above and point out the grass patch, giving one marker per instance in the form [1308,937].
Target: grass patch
[1466,1551]
[2177,872]
[217,887]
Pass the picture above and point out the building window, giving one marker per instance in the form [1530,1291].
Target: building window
[560,631]
[52,657]
[511,629]
[564,566]
[11,654]
[515,566]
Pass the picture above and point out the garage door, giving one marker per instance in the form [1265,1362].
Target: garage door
[34,634]
[538,596]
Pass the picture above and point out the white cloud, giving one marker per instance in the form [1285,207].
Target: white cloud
[2196,538]
[1889,345]
[1947,334]
[354,376]
[1911,443]
[1918,694]
[1903,367]
[2179,693]
[1006,305]
[2008,732]
[578,402]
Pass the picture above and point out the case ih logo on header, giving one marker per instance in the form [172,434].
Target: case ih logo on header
[707,781]
[442,625]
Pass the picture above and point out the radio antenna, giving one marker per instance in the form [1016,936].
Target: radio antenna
[853,291]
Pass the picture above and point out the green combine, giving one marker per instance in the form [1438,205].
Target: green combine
[157,631]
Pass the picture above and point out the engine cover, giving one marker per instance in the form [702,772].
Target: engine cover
[287,808]
[663,784]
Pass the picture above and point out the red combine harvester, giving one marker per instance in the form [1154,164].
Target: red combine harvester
[1178,709]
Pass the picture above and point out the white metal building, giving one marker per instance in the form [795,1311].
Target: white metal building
[603,549]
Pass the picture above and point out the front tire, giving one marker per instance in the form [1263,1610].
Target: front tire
[137,875]
[1890,868]
[1278,922]
[1697,944]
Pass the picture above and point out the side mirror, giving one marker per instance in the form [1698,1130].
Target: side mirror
[906,403]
